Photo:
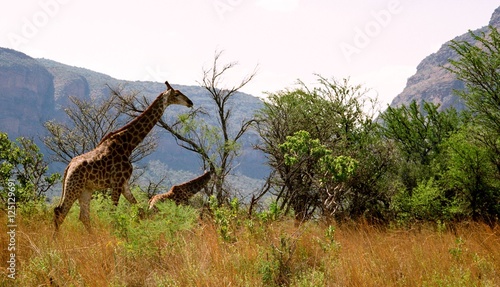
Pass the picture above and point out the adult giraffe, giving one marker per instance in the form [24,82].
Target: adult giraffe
[108,165]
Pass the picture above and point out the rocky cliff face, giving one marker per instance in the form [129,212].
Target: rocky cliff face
[67,84]
[77,82]
[26,93]
[433,83]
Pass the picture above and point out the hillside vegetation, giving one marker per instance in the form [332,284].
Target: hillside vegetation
[182,246]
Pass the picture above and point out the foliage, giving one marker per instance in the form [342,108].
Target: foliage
[21,160]
[456,182]
[478,67]
[315,163]
[138,232]
[420,133]
[225,217]
[339,133]
[470,177]
[300,148]
[175,247]
[272,213]
[426,202]
[277,269]
[419,130]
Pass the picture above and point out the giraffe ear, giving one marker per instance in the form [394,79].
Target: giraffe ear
[168,85]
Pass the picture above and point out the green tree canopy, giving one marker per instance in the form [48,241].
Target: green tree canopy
[419,130]
[22,161]
[313,138]
[478,67]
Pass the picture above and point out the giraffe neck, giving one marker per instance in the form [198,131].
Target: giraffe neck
[196,184]
[133,133]
[182,192]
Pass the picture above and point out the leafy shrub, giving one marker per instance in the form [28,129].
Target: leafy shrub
[470,177]
[22,161]
[274,212]
[225,217]
[142,233]
[276,268]
[426,202]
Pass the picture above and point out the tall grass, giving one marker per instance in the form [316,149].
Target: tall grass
[179,247]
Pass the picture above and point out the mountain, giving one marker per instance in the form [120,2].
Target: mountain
[33,91]
[433,83]
[26,92]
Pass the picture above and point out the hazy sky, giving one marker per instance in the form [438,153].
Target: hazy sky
[377,43]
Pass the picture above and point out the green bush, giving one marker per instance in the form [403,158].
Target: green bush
[225,217]
[470,177]
[426,202]
[274,212]
[22,164]
[142,231]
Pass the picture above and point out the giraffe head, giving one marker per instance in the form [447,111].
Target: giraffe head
[175,97]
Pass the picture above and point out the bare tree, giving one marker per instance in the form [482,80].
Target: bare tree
[216,145]
[88,122]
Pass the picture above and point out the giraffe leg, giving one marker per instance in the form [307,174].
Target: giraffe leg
[124,187]
[115,196]
[84,201]
[125,190]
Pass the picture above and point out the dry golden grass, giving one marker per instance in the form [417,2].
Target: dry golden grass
[258,253]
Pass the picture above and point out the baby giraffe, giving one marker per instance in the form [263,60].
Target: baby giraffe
[183,192]
[108,165]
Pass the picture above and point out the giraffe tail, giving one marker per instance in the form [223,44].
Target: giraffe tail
[58,208]
[63,194]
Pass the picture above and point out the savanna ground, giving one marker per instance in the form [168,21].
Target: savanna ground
[181,246]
